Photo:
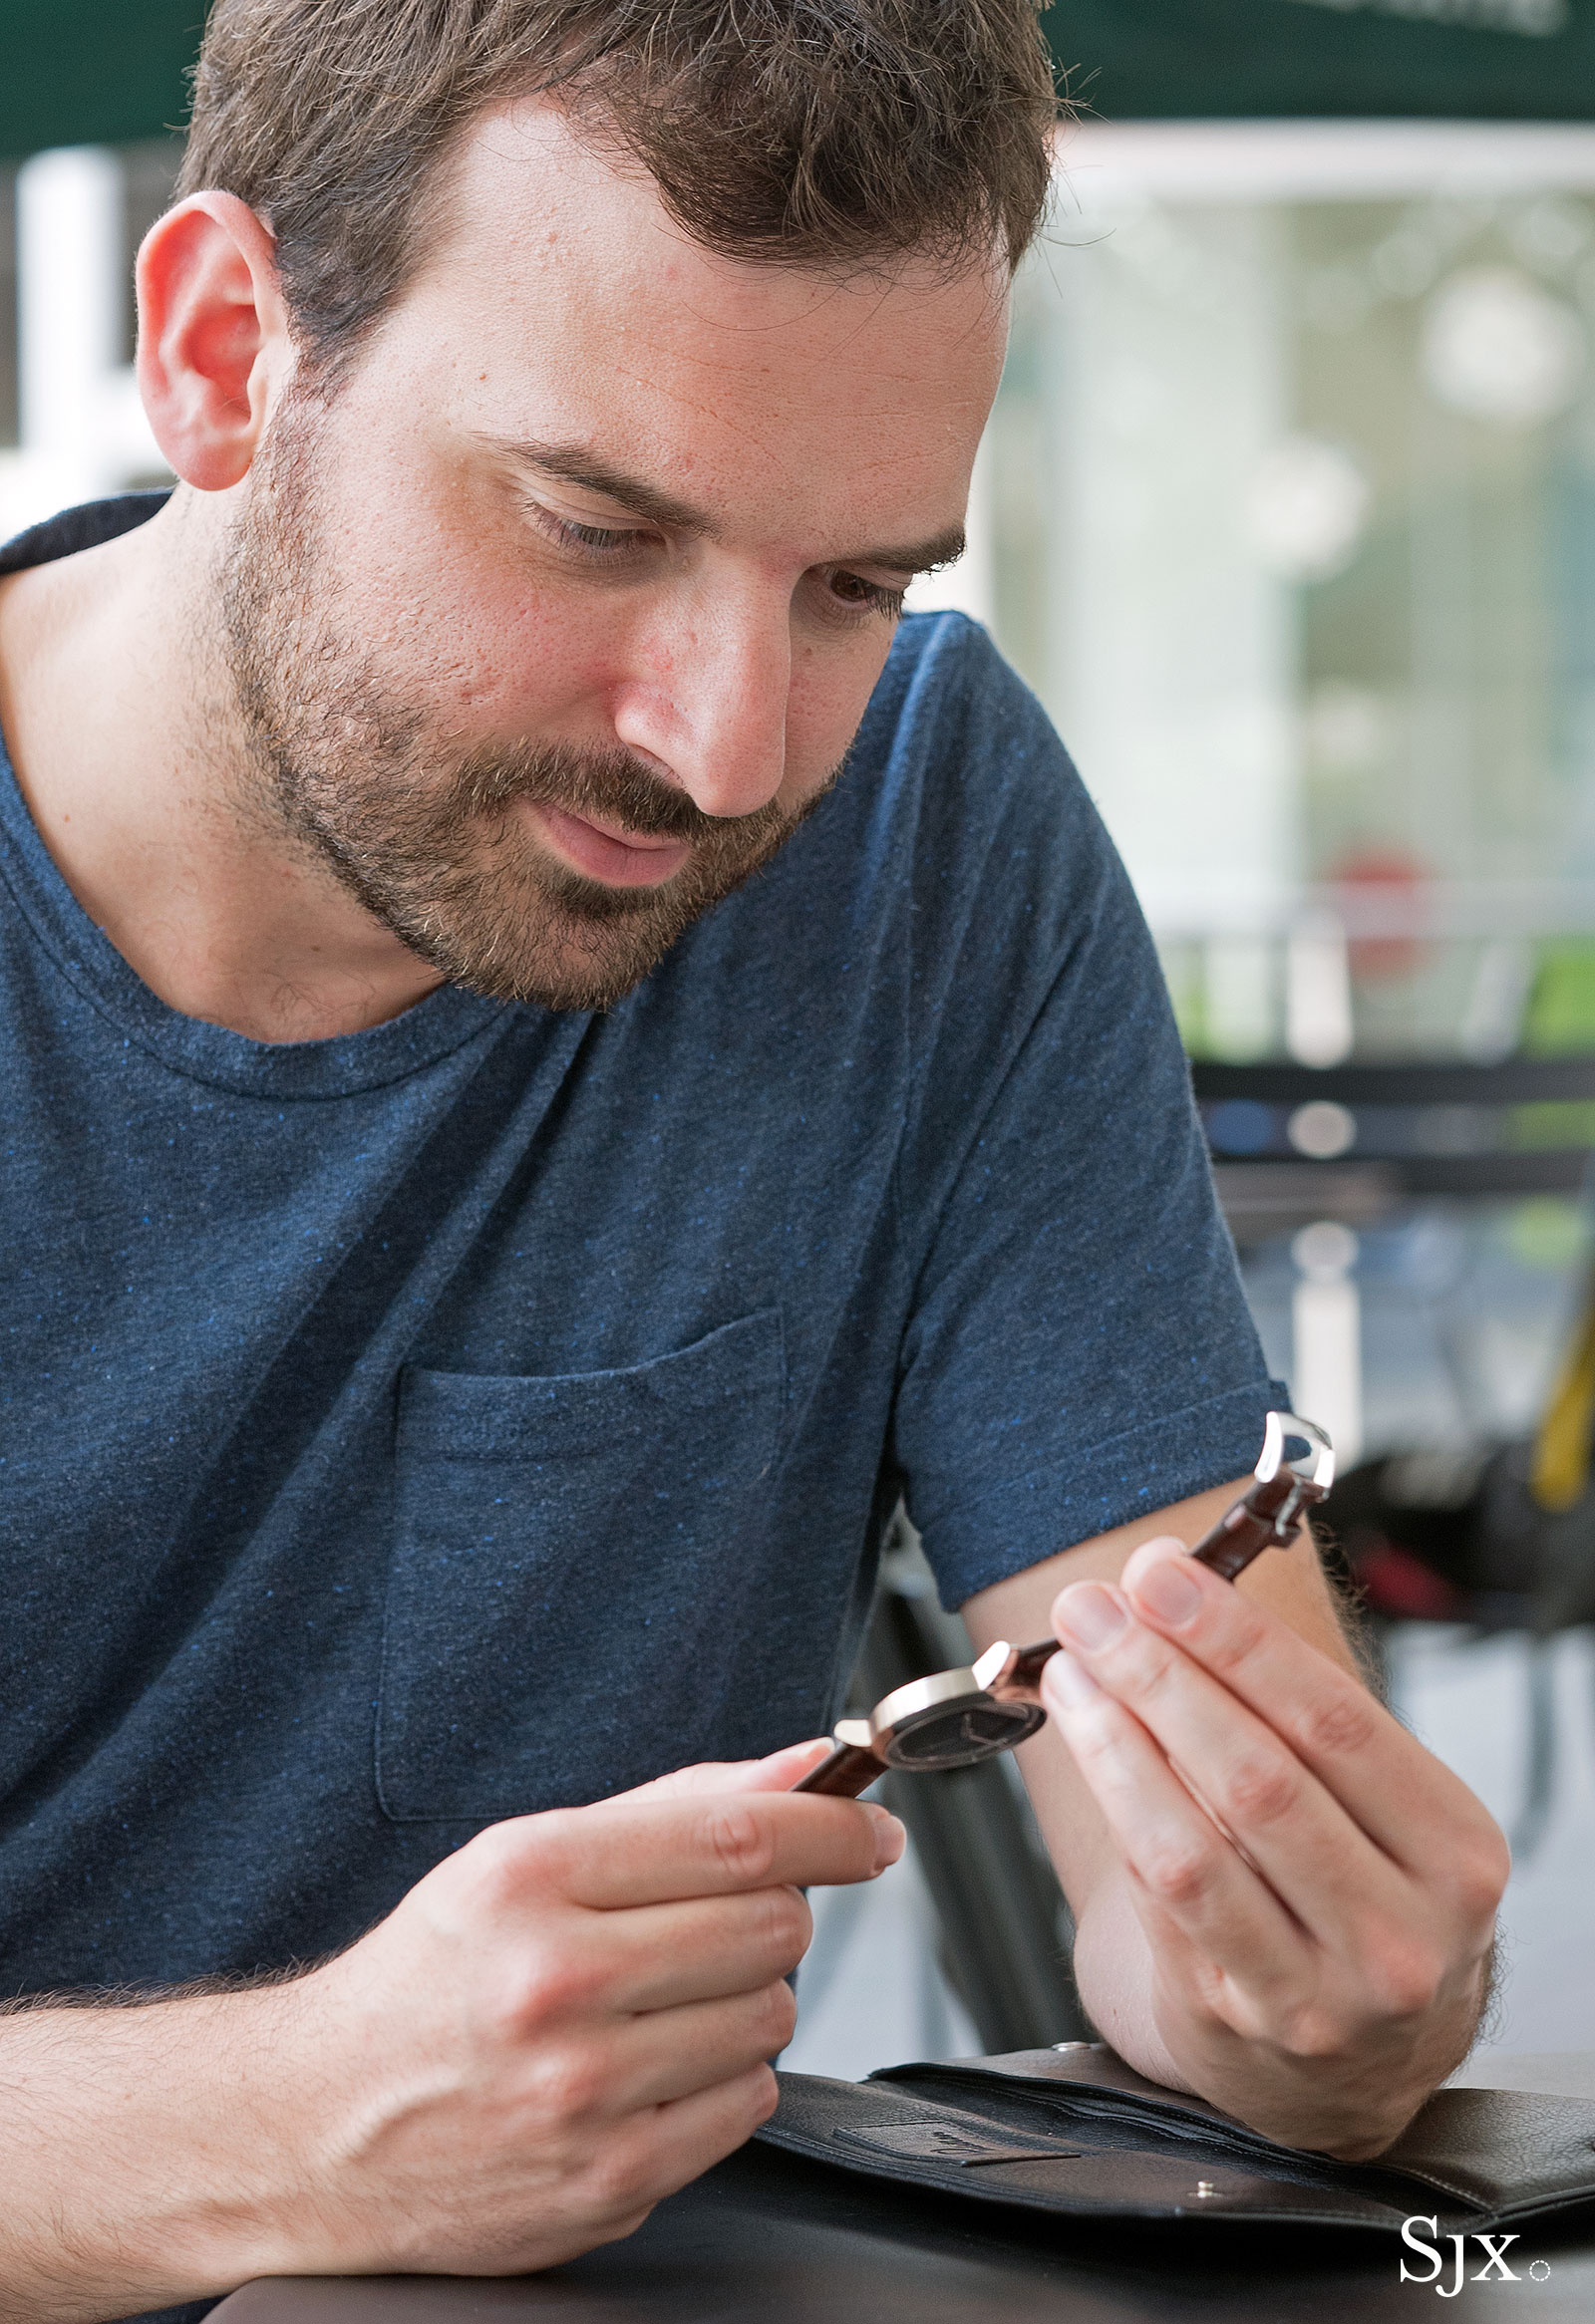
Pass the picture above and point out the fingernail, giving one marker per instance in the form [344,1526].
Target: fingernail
[1090,1616]
[1068,1684]
[889,1833]
[1169,1590]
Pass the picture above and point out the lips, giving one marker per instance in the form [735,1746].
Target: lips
[602,852]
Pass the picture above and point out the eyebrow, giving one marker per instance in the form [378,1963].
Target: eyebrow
[573,464]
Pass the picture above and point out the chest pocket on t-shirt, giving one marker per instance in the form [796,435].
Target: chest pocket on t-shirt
[575,1559]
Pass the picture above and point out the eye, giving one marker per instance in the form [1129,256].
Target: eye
[591,540]
[860,596]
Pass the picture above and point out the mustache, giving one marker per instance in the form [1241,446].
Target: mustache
[610,785]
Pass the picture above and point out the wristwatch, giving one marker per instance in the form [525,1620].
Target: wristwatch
[956,1718]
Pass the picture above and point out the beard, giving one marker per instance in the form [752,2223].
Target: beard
[426,830]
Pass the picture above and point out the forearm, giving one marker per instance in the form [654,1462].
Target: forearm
[1112,1958]
[1116,1976]
[143,2155]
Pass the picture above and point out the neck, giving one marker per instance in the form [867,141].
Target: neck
[126,737]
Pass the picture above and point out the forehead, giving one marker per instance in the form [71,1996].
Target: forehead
[558,298]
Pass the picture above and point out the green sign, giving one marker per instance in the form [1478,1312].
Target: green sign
[1211,60]
[78,72]
[94,71]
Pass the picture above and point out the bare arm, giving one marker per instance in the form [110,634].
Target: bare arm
[1306,1941]
[558,2025]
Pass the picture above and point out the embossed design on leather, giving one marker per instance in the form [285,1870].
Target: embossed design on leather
[943,2142]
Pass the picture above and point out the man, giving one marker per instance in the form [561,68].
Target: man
[481,1264]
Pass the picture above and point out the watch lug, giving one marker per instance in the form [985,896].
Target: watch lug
[994,1664]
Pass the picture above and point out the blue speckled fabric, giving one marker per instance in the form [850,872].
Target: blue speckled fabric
[496,1408]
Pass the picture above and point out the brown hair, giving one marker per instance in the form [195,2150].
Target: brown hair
[823,132]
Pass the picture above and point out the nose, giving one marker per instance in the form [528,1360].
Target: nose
[709,699]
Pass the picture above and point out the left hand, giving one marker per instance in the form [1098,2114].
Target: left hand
[1316,1934]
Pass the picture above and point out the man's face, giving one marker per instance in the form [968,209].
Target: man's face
[553,624]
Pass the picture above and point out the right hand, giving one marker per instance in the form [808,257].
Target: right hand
[563,2022]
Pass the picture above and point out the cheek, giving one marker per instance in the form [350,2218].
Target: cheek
[525,655]
[830,689]
[465,631]
[437,592]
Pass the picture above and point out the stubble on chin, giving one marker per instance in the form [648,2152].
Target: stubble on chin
[430,834]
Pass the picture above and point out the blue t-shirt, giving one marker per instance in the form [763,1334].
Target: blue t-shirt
[493,1409]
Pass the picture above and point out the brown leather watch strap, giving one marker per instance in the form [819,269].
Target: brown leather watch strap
[847,1772]
[1251,1525]
[1023,1674]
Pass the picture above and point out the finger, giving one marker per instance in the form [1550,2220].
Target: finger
[628,1852]
[657,1956]
[1412,1809]
[1307,1847]
[776,1773]
[1182,1868]
[670,2053]
[662,2147]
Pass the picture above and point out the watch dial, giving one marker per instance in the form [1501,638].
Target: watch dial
[957,1734]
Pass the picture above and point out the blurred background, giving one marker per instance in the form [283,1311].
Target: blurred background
[1287,512]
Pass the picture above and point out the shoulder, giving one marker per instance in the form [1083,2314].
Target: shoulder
[963,760]
[948,699]
[958,846]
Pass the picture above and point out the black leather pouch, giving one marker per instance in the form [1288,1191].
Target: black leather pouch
[1076,2130]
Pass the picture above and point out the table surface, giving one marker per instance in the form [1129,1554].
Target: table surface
[773,2240]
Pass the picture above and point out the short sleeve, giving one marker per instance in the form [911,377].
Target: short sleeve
[1079,1351]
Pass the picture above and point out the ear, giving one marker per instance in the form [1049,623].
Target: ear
[214,339]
